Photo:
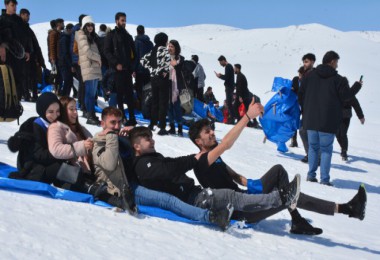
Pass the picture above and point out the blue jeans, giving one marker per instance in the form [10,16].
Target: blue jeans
[147,197]
[90,88]
[175,112]
[323,143]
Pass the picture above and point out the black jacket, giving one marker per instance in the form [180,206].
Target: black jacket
[157,172]
[179,73]
[143,46]
[321,97]
[64,50]
[228,77]
[119,48]
[13,26]
[242,86]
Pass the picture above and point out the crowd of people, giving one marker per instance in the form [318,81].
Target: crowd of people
[120,165]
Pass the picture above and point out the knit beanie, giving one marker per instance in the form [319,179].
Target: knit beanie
[161,39]
[43,103]
[87,19]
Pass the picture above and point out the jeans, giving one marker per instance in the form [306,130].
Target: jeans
[91,87]
[147,197]
[320,142]
[175,112]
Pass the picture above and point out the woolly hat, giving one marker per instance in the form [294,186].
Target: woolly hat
[87,19]
[43,103]
[161,39]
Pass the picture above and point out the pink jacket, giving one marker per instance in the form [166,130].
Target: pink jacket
[60,137]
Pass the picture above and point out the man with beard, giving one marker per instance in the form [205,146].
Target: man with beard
[119,49]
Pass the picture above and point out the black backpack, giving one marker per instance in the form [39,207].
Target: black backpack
[10,106]
[23,142]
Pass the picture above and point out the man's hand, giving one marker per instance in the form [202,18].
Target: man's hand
[217,74]
[362,120]
[255,109]
[125,130]
[173,63]
[3,53]
[27,56]
[106,131]
[134,74]
[88,144]
[119,67]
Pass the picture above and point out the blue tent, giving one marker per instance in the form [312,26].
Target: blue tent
[281,114]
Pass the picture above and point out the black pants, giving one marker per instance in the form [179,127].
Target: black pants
[80,93]
[124,89]
[20,74]
[229,96]
[160,100]
[199,94]
[67,76]
[341,135]
[141,80]
[304,138]
[276,178]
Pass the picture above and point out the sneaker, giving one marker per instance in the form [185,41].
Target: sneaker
[180,132]
[305,159]
[290,193]
[303,227]
[172,129]
[313,179]
[97,189]
[162,132]
[222,217]
[358,204]
[344,155]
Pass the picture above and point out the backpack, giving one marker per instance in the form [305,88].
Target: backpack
[10,106]
[23,142]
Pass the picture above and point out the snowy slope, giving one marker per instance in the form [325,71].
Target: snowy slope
[40,228]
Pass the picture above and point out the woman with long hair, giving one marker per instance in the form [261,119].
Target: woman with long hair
[177,84]
[90,64]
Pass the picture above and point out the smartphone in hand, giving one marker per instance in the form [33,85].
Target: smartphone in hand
[361,78]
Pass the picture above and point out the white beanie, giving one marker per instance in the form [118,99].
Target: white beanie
[87,19]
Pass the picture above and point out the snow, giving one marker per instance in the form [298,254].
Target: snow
[36,227]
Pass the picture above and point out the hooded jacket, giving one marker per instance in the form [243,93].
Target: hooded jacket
[143,46]
[321,95]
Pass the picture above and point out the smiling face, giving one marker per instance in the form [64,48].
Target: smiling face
[171,49]
[112,123]
[72,112]
[53,112]
[206,140]
[144,145]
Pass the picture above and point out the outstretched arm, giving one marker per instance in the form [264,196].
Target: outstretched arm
[237,177]
[254,110]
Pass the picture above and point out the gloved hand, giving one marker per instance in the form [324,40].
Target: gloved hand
[254,186]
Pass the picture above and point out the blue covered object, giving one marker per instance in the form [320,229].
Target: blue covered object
[281,114]
[47,190]
[201,110]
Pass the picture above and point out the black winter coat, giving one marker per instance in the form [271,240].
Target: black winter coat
[228,77]
[157,172]
[64,50]
[119,48]
[242,86]
[321,97]
[143,46]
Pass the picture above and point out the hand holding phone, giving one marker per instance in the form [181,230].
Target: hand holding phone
[361,78]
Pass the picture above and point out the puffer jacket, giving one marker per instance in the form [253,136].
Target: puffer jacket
[60,138]
[89,57]
[108,163]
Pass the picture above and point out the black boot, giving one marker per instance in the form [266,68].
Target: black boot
[344,155]
[294,143]
[92,119]
[305,159]
[162,132]
[222,217]
[180,133]
[355,208]
[302,227]
[97,189]
[172,129]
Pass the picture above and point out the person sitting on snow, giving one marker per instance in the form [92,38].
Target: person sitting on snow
[213,173]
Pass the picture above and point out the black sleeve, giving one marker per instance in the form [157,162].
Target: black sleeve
[109,50]
[41,152]
[150,168]
[135,60]
[295,84]
[358,110]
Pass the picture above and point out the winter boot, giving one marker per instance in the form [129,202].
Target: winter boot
[128,200]
[303,227]
[180,133]
[96,189]
[172,129]
[221,217]
[289,194]
[92,119]
[294,143]
[355,208]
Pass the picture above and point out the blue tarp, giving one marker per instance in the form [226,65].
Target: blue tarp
[281,114]
[47,190]
[201,109]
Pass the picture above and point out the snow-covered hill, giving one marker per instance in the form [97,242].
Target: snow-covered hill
[41,228]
